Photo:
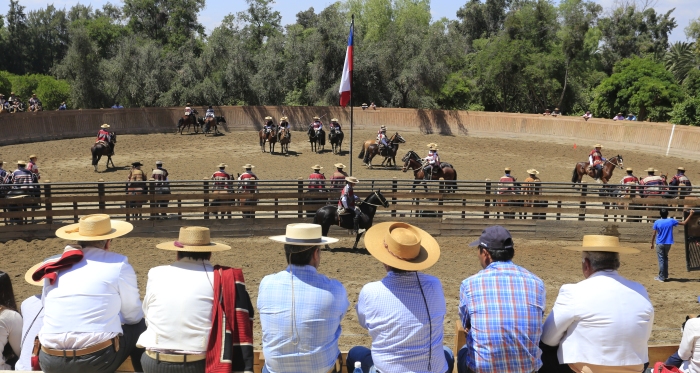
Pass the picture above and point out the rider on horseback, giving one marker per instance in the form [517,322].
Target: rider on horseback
[31,166]
[630,181]
[317,126]
[652,183]
[432,162]
[381,139]
[269,125]
[209,113]
[3,173]
[136,178]
[105,137]
[335,126]
[248,179]
[506,184]
[20,177]
[338,178]
[596,161]
[221,177]
[190,112]
[284,124]
[346,203]
[681,183]
[317,181]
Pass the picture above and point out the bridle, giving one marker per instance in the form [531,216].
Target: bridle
[412,156]
[385,203]
[616,165]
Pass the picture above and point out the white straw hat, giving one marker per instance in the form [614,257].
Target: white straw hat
[95,227]
[304,234]
[195,239]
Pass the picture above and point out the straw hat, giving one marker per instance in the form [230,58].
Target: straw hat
[105,125]
[248,165]
[650,169]
[221,165]
[337,165]
[30,271]
[137,164]
[268,118]
[317,118]
[620,113]
[681,169]
[611,244]
[33,156]
[95,227]
[195,239]
[598,146]
[507,169]
[304,234]
[334,120]
[629,169]
[283,118]
[532,171]
[382,128]
[352,179]
[316,167]
[159,163]
[21,163]
[402,246]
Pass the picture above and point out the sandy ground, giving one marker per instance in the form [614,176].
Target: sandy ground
[259,256]
[194,157]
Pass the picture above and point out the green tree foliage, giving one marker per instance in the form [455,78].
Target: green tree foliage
[680,60]
[170,22]
[49,90]
[81,69]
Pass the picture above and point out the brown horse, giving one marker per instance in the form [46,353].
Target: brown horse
[211,125]
[270,137]
[609,166]
[284,138]
[412,161]
[99,149]
[187,121]
[389,152]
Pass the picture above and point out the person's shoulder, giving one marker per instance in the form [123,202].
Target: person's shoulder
[693,323]
[273,278]
[11,316]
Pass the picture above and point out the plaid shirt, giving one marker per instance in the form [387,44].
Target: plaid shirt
[503,306]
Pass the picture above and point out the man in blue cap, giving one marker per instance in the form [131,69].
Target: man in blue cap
[501,309]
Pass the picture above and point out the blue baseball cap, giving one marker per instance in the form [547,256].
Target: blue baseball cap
[495,237]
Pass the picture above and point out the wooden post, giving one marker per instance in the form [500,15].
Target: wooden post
[487,202]
[276,204]
[179,209]
[152,199]
[582,205]
[394,189]
[300,200]
[206,200]
[48,205]
[75,212]
[558,209]
[101,193]
[440,199]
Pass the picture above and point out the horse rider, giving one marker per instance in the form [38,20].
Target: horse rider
[284,124]
[136,178]
[382,141]
[160,175]
[105,137]
[681,183]
[269,125]
[506,184]
[21,177]
[596,161]
[189,112]
[221,177]
[317,180]
[248,178]
[317,126]
[338,178]
[432,162]
[630,181]
[335,125]
[209,113]
[31,166]
[346,203]
[3,173]
[532,176]
[652,184]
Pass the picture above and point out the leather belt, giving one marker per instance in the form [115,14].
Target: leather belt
[171,358]
[83,351]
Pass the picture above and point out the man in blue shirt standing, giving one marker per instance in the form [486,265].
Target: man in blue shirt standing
[663,236]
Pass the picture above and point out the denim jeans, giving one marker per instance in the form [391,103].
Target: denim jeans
[662,254]
[364,355]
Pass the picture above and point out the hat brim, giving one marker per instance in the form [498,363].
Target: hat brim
[427,257]
[324,240]
[607,249]
[119,228]
[30,271]
[212,247]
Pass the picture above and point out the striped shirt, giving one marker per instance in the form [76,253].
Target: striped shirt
[305,340]
[503,306]
[19,177]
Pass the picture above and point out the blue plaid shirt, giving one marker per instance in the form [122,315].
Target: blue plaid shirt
[320,305]
[503,306]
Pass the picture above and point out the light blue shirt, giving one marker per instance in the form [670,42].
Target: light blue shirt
[394,312]
[320,305]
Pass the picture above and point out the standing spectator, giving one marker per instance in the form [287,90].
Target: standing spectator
[603,323]
[587,116]
[3,173]
[663,236]
[3,101]
[501,308]
[619,116]
[556,112]
[373,106]
[12,97]
[631,116]
[403,312]
[10,324]
[547,112]
[62,106]
[117,106]
[364,106]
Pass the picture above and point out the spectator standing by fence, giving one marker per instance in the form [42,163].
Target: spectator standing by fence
[663,236]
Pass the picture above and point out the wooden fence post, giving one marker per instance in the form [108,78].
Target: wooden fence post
[582,205]
[440,199]
[101,193]
[558,209]
[394,189]
[487,201]
[152,198]
[48,205]
[206,200]
[300,200]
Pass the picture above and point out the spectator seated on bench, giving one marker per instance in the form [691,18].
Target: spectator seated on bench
[688,355]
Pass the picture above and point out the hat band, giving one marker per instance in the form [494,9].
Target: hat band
[397,256]
[305,240]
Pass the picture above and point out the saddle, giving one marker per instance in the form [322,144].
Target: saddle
[104,143]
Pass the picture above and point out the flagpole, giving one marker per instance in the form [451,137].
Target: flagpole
[352,28]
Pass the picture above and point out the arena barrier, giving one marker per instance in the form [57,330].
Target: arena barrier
[543,210]
[657,138]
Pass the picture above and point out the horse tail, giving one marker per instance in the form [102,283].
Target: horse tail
[362,153]
[574,177]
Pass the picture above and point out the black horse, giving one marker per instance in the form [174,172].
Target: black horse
[17,196]
[328,215]
[335,137]
[100,149]
[317,140]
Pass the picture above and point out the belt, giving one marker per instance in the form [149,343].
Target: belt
[171,358]
[83,351]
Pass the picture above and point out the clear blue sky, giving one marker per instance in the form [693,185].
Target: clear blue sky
[215,10]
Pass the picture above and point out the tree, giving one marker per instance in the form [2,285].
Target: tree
[638,85]
[81,69]
[263,22]
[16,52]
[47,29]
[680,59]
[170,22]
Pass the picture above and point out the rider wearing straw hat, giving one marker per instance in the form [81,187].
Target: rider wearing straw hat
[506,183]
[21,177]
[382,141]
[300,308]
[335,125]
[248,178]
[603,323]
[652,183]
[92,314]
[317,181]
[596,161]
[338,178]
[31,166]
[432,161]
[269,124]
[680,183]
[178,306]
[403,312]
[3,173]
[221,177]
[284,124]
[346,202]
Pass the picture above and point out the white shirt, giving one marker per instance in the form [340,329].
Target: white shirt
[88,303]
[177,306]
[689,348]
[10,332]
[603,320]
[33,319]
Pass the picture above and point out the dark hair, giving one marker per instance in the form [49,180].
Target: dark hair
[499,255]
[194,255]
[299,258]
[7,295]
[396,270]
[663,213]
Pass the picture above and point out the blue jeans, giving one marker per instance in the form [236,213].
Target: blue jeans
[662,254]
[364,355]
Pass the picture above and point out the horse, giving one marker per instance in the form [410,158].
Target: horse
[270,137]
[284,138]
[161,187]
[609,166]
[328,215]
[213,122]
[187,121]
[17,196]
[226,203]
[317,140]
[100,148]
[412,161]
[335,137]
[389,153]
[134,188]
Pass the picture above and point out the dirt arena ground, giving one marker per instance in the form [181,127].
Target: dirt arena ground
[196,157]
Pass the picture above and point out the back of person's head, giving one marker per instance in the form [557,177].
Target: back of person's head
[498,242]
[663,213]
[603,260]
[7,295]
[299,258]
[194,255]
[98,244]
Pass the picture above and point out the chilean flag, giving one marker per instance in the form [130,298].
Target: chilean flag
[346,80]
